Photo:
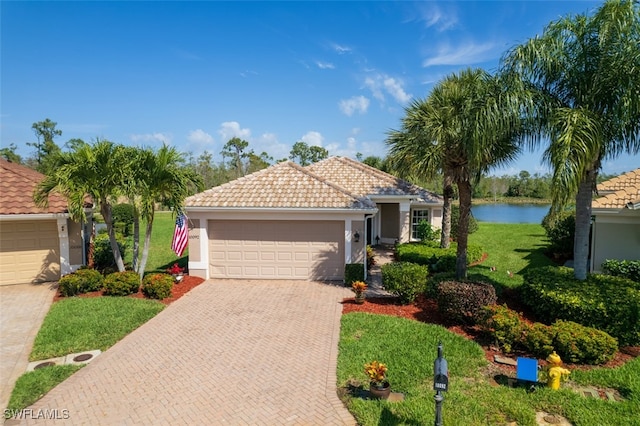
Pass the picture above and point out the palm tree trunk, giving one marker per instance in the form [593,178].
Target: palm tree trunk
[105,209]
[583,225]
[447,190]
[464,192]
[145,248]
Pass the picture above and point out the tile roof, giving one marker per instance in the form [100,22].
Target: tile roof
[17,183]
[284,185]
[365,180]
[619,191]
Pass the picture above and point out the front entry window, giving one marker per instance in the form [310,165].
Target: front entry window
[416,217]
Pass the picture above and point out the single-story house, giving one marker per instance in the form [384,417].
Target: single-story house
[293,222]
[615,231]
[36,244]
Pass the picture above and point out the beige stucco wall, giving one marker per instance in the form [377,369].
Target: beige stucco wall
[357,249]
[615,238]
[75,242]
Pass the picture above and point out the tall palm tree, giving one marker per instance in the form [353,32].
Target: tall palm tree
[469,123]
[97,171]
[160,177]
[586,73]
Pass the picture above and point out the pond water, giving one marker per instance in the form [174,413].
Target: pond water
[510,213]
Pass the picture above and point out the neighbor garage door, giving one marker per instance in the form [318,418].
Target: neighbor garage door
[276,249]
[29,252]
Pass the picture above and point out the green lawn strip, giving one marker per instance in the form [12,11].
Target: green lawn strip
[33,385]
[409,349]
[512,247]
[80,324]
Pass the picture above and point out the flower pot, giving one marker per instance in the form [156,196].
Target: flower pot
[359,298]
[380,392]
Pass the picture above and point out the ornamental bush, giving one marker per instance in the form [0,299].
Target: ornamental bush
[610,304]
[463,301]
[436,258]
[505,325]
[102,253]
[538,339]
[353,272]
[622,268]
[80,281]
[579,344]
[157,286]
[121,283]
[405,280]
[560,230]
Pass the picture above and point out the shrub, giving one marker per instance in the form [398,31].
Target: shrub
[426,232]
[560,230]
[405,280]
[121,283]
[353,272]
[463,301]
[157,286]
[579,344]
[622,268]
[610,304]
[102,253]
[438,259]
[538,339]
[123,216]
[505,325]
[371,257]
[81,281]
[455,220]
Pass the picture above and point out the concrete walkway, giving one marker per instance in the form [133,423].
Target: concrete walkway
[229,352]
[22,309]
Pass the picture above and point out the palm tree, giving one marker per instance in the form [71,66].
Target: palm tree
[585,71]
[160,177]
[97,171]
[469,123]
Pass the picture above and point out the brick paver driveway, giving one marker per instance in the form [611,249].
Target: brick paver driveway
[230,352]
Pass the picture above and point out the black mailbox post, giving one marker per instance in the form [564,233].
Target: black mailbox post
[440,382]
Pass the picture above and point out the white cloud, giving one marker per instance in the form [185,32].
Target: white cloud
[354,104]
[151,137]
[381,84]
[465,54]
[341,49]
[199,136]
[325,65]
[231,129]
[434,16]
[312,138]
[268,142]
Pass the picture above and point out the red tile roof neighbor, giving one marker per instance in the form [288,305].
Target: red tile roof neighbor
[17,183]
[619,191]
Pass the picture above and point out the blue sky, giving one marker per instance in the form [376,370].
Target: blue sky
[195,74]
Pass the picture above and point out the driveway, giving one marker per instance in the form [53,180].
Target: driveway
[22,309]
[230,352]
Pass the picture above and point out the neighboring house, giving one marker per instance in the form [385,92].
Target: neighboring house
[615,232]
[36,244]
[293,222]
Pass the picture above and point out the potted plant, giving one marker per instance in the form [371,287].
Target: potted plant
[177,272]
[359,287]
[379,387]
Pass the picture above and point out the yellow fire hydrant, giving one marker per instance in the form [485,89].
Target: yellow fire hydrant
[556,372]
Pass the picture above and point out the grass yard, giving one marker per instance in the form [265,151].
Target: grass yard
[409,349]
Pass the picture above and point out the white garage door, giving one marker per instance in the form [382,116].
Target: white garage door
[276,249]
[29,252]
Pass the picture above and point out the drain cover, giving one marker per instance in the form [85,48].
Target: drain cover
[82,357]
[44,364]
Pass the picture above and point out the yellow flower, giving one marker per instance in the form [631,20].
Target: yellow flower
[359,286]
[376,371]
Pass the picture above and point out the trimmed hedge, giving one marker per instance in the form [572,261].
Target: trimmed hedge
[463,300]
[505,325]
[80,281]
[622,268]
[121,283]
[610,304]
[405,280]
[577,343]
[436,258]
[353,272]
[157,286]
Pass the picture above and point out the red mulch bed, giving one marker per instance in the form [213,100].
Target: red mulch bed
[426,310]
[179,290]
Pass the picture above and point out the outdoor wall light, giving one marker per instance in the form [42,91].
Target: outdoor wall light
[356,237]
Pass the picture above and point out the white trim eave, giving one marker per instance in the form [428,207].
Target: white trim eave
[413,199]
[278,210]
[34,216]
[614,212]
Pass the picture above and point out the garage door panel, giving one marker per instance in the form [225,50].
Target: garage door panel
[276,249]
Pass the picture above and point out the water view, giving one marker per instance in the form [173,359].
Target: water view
[510,213]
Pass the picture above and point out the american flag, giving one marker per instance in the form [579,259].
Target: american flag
[180,235]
